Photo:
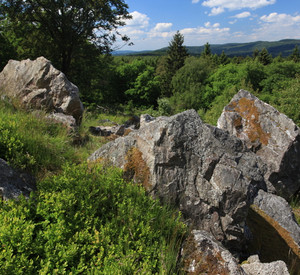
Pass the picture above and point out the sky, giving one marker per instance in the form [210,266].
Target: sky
[154,22]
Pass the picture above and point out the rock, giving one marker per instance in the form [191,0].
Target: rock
[275,232]
[133,122]
[255,267]
[144,119]
[105,131]
[272,135]
[37,84]
[280,211]
[96,131]
[66,120]
[201,254]
[13,183]
[208,174]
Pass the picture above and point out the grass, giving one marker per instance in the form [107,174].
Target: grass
[41,147]
[295,204]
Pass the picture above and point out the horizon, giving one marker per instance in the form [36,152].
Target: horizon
[154,23]
[216,44]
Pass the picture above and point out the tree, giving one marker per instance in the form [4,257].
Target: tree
[176,53]
[295,56]
[6,51]
[168,66]
[138,82]
[255,53]
[207,51]
[64,25]
[264,57]
[223,59]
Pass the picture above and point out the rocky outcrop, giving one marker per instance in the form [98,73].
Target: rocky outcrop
[13,183]
[37,84]
[271,135]
[255,267]
[208,174]
[203,255]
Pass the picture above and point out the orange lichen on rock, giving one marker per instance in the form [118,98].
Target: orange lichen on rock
[136,168]
[248,111]
[204,261]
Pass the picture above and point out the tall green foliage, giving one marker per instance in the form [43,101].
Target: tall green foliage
[295,56]
[176,55]
[138,82]
[189,84]
[264,57]
[207,51]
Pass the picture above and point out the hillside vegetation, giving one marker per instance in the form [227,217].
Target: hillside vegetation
[84,217]
[283,47]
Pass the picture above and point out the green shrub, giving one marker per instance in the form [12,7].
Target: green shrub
[88,220]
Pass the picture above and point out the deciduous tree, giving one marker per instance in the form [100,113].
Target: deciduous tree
[63,25]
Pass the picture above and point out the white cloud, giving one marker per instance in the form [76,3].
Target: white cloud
[232,22]
[139,20]
[242,15]
[163,27]
[195,1]
[217,10]
[275,27]
[285,19]
[219,6]
[208,32]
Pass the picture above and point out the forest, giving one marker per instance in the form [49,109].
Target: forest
[86,218]
[165,85]
[160,85]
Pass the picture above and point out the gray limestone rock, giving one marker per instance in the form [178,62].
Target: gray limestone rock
[275,232]
[37,84]
[66,120]
[279,210]
[271,135]
[255,267]
[13,183]
[202,254]
[208,174]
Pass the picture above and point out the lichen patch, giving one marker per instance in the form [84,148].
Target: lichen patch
[248,111]
[136,168]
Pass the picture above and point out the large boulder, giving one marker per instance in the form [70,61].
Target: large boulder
[13,183]
[37,84]
[272,135]
[207,173]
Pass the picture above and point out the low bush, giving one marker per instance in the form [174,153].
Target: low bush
[89,220]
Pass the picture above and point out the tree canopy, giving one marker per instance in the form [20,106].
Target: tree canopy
[61,26]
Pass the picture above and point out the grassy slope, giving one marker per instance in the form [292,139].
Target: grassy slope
[84,217]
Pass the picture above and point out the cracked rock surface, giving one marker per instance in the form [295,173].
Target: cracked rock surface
[207,173]
[271,135]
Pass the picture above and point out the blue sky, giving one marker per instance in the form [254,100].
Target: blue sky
[154,22]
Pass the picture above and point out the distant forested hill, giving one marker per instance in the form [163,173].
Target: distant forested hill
[285,47]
